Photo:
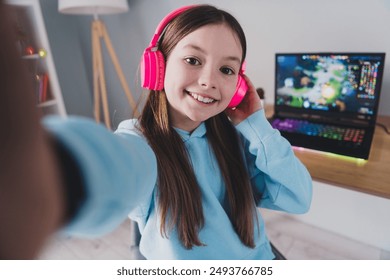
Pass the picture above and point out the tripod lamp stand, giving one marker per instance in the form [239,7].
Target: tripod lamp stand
[100,36]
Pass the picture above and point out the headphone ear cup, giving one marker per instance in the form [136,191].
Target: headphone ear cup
[241,90]
[152,70]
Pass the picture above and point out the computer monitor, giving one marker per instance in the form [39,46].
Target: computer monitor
[337,84]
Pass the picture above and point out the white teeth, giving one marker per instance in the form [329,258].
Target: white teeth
[201,98]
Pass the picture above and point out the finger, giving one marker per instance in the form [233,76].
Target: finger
[251,86]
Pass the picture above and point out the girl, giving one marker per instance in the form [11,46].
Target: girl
[190,171]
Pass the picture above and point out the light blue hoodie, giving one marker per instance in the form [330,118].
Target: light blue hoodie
[127,164]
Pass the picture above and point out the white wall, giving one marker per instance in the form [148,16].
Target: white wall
[270,26]
[297,26]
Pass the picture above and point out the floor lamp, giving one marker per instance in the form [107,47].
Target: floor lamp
[99,36]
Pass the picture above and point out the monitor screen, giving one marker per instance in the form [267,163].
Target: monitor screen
[340,83]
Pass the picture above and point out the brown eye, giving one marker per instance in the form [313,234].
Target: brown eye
[192,61]
[227,71]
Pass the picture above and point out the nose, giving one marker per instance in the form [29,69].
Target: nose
[207,78]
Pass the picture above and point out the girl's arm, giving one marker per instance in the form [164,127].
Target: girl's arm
[283,181]
[278,175]
[74,173]
[118,173]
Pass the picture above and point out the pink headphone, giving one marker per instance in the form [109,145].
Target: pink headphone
[153,63]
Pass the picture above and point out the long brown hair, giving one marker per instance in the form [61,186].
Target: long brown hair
[179,195]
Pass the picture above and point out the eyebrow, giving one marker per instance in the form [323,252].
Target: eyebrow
[232,58]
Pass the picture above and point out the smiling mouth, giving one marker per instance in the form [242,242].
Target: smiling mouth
[203,99]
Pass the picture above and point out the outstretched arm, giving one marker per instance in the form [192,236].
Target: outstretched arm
[71,174]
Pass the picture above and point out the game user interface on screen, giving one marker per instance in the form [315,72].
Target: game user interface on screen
[329,82]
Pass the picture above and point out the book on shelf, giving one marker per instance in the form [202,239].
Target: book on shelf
[42,88]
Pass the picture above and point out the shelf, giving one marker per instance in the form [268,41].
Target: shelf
[48,103]
[34,56]
[35,51]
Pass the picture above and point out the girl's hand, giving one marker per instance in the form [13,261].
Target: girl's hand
[32,196]
[250,104]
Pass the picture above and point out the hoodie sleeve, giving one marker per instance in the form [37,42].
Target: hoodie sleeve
[282,180]
[118,172]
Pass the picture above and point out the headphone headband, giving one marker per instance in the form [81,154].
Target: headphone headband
[164,22]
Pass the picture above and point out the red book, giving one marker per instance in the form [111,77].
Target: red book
[45,81]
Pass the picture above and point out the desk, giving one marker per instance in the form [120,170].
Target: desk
[371,176]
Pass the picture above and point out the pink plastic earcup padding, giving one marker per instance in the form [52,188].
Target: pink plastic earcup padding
[152,70]
[241,90]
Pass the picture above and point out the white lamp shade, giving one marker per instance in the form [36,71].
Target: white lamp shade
[91,7]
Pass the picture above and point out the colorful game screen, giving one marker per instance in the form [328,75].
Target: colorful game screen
[329,82]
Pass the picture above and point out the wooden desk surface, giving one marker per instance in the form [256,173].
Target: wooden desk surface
[370,176]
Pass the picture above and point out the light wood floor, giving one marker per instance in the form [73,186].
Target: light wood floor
[300,241]
[294,239]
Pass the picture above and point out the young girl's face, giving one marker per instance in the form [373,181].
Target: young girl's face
[201,75]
